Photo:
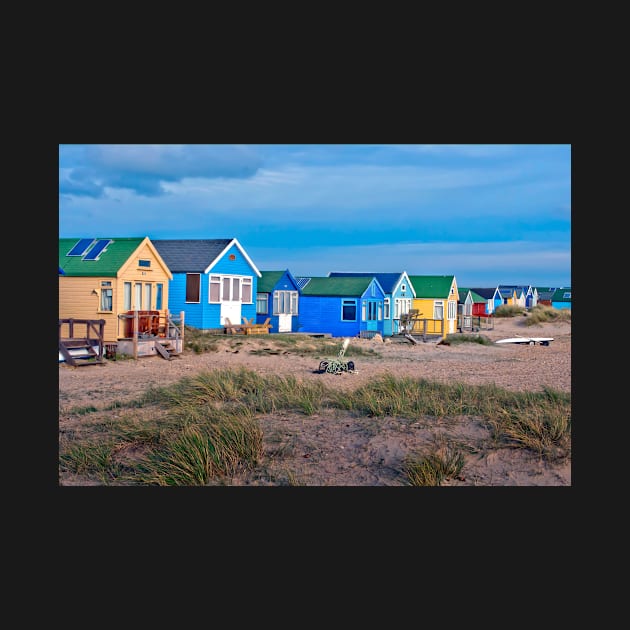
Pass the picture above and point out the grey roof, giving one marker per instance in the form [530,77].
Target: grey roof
[190,255]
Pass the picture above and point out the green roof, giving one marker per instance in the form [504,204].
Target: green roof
[432,286]
[476,298]
[268,280]
[108,263]
[562,295]
[338,286]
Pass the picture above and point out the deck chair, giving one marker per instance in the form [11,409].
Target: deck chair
[229,328]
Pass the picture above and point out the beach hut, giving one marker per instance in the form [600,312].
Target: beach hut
[110,278]
[277,300]
[341,307]
[399,294]
[213,280]
[561,298]
[435,304]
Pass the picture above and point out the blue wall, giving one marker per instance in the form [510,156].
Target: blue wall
[284,284]
[205,315]
[322,314]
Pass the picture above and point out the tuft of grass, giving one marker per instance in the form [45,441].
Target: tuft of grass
[541,314]
[432,466]
[200,341]
[541,424]
[262,394]
[202,452]
[92,459]
[458,338]
[509,310]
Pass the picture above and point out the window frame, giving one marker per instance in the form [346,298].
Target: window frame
[107,293]
[284,299]
[228,286]
[351,303]
[260,298]
[190,288]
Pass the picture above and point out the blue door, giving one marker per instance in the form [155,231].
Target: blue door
[372,314]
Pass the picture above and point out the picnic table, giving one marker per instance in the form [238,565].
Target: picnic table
[248,327]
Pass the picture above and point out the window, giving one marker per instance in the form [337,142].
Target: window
[262,302]
[386,307]
[401,307]
[438,309]
[285,302]
[236,289]
[147,296]
[246,290]
[127,296]
[144,263]
[348,310]
[225,293]
[215,289]
[231,289]
[106,296]
[159,290]
[452,309]
[138,305]
[193,287]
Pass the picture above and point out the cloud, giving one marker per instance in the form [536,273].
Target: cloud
[145,169]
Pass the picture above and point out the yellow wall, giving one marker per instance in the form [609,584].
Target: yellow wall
[77,300]
[424,306]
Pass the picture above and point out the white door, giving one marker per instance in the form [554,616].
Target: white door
[231,300]
[284,322]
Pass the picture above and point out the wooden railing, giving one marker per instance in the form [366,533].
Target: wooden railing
[149,324]
[152,325]
[474,323]
[412,324]
[89,344]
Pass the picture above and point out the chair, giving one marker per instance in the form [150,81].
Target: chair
[229,328]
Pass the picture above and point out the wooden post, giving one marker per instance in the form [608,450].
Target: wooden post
[181,323]
[136,324]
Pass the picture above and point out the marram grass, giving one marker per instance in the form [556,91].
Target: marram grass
[205,428]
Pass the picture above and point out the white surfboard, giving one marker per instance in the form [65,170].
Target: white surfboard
[543,341]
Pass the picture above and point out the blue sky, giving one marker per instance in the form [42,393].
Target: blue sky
[487,213]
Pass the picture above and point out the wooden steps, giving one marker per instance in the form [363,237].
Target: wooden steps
[166,350]
[79,352]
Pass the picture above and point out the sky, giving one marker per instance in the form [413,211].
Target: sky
[488,214]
